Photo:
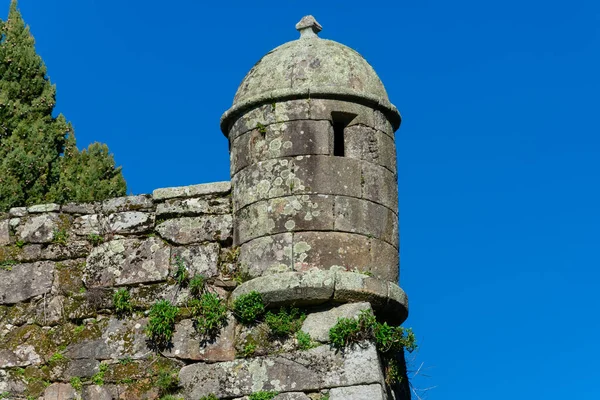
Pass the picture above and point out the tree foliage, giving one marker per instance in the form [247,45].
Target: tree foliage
[39,159]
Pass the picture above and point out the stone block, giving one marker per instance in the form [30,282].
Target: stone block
[299,175]
[4,232]
[365,143]
[353,287]
[213,188]
[292,396]
[284,139]
[43,208]
[17,212]
[267,254]
[25,281]
[130,222]
[384,263]
[396,310]
[21,356]
[264,180]
[189,230]
[315,287]
[127,203]
[268,114]
[81,208]
[284,214]
[104,392]
[201,259]
[382,123]
[61,391]
[363,392]
[318,324]
[38,229]
[92,224]
[82,367]
[379,185]
[309,370]
[193,207]
[326,249]
[119,339]
[328,175]
[187,345]
[127,261]
[73,249]
[367,218]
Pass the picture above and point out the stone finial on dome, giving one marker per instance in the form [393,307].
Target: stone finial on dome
[308,27]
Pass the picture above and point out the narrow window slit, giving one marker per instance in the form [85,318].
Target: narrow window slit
[340,121]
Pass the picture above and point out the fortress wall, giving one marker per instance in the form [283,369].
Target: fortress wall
[60,266]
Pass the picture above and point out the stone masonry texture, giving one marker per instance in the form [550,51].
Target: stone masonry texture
[308,221]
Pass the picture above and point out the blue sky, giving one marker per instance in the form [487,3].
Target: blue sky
[498,154]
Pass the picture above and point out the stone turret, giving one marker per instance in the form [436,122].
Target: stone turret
[313,162]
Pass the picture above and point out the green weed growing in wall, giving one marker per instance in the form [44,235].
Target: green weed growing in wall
[161,324]
[98,378]
[286,322]
[182,274]
[167,381]
[209,314]
[348,331]
[95,239]
[262,395]
[197,285]
[122,303]
[304,340]
[76,383]
[249,307]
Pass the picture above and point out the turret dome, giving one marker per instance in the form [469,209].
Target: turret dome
[311,67]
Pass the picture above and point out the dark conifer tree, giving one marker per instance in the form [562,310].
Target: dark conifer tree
[39,160]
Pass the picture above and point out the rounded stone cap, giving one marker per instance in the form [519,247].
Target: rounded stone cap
[311,67]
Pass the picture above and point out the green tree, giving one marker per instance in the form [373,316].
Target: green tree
[39,159]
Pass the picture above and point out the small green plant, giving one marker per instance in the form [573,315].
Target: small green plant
[261,128]
[95,239]
[125,361]
[5,395]
[209,397]
[262,395]
[161,324]
[286,322]
[60,236]
[249,307]
[171,397]
[324,396]
[182,274]
[209,313]
[57,357]
[348,331]
[98,378]
[167,382]
[305,342]
[121,301]
[197,285]
[248,350]
[393,372]
[76,383]
[7,265]
[19,244]
[78,329]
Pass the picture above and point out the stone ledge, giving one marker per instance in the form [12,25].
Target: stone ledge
[192,191]
[308,370]
[321,286]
